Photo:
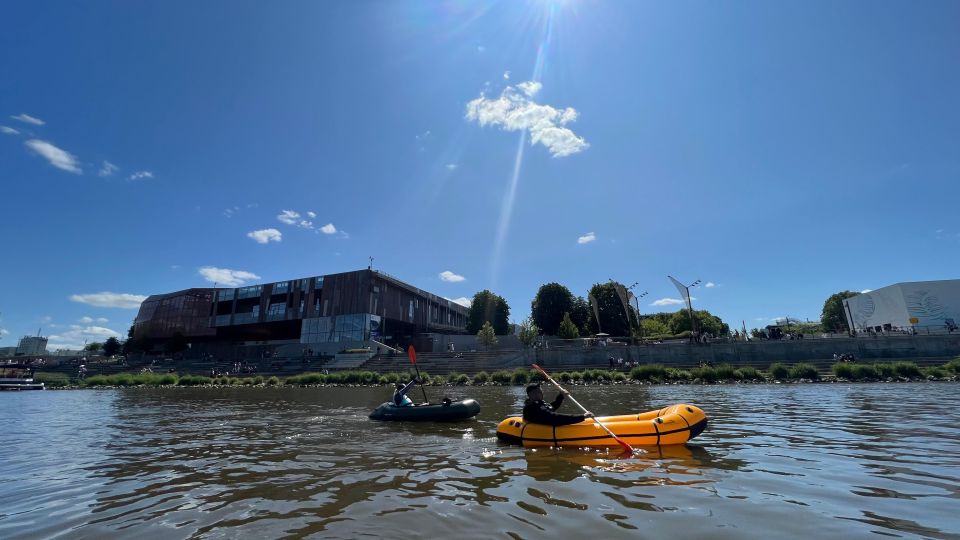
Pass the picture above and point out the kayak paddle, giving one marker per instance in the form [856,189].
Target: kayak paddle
[413,360]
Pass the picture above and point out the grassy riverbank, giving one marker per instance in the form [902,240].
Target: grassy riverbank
[646,374]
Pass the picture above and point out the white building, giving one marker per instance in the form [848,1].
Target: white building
[924,306]
[30,345]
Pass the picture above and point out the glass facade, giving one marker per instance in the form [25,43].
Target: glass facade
[249,292]
[355,327]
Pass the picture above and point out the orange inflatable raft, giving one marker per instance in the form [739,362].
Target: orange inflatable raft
[675,424]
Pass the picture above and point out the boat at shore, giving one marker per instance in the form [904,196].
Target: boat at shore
[675,424]
[448,411]
[18,376]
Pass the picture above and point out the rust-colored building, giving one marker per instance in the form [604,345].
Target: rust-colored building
[349,307]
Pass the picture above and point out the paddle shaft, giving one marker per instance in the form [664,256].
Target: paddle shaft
[412,354]
[622,443]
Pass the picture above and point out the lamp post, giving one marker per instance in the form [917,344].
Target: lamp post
[686,291]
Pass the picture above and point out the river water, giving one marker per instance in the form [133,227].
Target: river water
[785,461]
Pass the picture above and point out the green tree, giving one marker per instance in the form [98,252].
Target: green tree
[528,332]
[549,306]
[613,319]
[706,322]
[489,307]
[111,346]
[486,335]
[832,317]
[567,329]
[93,347]
[580,315]
[654,327]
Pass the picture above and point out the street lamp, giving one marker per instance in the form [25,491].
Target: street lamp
[685,290]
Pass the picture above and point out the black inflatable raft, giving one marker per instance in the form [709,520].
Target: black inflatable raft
[428,412]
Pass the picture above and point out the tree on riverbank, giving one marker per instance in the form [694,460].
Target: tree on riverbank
[552,301]
[832,317]
[486,335]
[491,308]
[111,346]
[527,332]
[568,330]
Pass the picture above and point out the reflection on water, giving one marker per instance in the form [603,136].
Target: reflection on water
[777,460]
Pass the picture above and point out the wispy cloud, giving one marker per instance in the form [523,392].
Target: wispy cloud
[292,217]
[463,301]
[8,130]
[140,175]
[506,75]
[587,238]
[515,110]
[226,276]
[670,302]
[107,169]
[27,119]
[449,276]
[265,236]
[110,300]
[328,229]
[865,291]
[311,215]
[57,157]
[74,338]
[710,284]
[451,166]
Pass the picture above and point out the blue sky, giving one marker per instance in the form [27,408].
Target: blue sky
[781,151]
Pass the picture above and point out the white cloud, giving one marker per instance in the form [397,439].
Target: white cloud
[102,320]
[140,175]
[74,338]
[710,284]
[107,169]
[265,236]
[328,229]
[57,157]
[671,302]
[86,320]
[27,119]
[4,332]
[8,130]
[226,276]
[515,110]
[506,75]
[311,215]
[449,276]
[110,299]
[451,166]
[587,238]
[865,291]
[463,301]
[291,217]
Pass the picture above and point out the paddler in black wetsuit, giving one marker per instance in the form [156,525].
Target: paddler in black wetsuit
[536,411]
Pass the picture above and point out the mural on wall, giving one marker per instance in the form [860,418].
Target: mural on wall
[865,308]
[926,306]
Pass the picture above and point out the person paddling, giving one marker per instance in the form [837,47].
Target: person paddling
[400,398]
[537,411]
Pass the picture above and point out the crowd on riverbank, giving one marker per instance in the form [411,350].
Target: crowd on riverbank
[645,374]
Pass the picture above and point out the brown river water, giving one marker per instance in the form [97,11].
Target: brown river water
[777,461]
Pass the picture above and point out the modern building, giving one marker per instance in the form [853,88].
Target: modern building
[7,351]
[921,306]
[324,312]
[31,345]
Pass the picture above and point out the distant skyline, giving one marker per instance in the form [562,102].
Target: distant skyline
[779,152]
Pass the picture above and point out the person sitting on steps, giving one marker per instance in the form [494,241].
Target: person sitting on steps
[536,411]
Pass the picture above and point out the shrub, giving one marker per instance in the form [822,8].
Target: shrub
[390,378]
[864,372]
[934,373]
[273,381]
[576,375]
[234,381]
[248,381]
[726,372]
[953,366]
[193,380]
[679,374]
[438,380]
[779,371]
[520,376]
[587,375]
[51,379]
[619,377]
[885,371]
[452,377]
[168,379]
[748,374]
[481,378]
[601,375]
[96,380]
[705,374]
[804,371]
[564,377]
[906,369]
[843,370]
[501,377]
[648,372]
[536,376]
[461,379]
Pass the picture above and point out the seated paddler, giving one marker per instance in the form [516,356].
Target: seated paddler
[400,398]
[537,411]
